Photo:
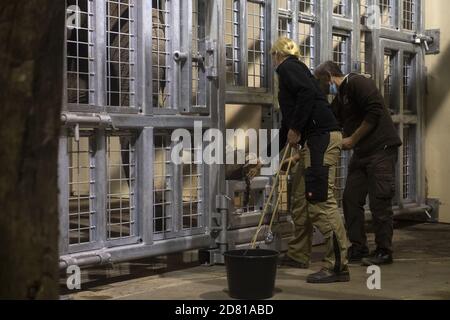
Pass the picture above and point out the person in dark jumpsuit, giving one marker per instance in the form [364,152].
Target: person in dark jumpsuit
[370,132]
[309,121]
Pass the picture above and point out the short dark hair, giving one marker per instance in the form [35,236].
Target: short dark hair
[328,68]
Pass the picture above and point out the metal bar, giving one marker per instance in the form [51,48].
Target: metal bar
[243,72]
[141,55]
[145,42]
[63,196]
[185,68]
[100,53]
[133,252]
[101,188]
[173,45]
[145,174]
[246,98]
[216,172]
[97,119]
[169,122]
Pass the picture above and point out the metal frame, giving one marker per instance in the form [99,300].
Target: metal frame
[220,228]
[143,122]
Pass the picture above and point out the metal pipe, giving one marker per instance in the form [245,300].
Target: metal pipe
[96,257]
[133,252]
[222,204]
[96,119]
[403,211]
[412,210]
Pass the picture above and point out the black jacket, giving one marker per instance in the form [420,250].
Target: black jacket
[304,107]
[359,99]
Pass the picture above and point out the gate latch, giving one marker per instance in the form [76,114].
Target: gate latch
[211,58]
[431,40]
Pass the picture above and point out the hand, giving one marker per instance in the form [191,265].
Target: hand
[285,164]
[254,171]
[348,143]
[294,137]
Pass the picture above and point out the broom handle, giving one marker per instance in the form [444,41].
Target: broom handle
[275,211]
[266,206]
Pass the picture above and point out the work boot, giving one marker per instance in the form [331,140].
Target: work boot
[355,254]
[329,276]
[287,261]
[378,258]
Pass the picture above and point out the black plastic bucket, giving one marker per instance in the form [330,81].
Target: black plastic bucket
[251,273]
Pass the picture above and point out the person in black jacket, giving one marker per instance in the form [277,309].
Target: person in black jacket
[309,121]
[370,132]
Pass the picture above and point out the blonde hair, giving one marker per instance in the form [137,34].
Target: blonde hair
[285,47]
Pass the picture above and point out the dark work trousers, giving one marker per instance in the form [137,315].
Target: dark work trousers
[373,175]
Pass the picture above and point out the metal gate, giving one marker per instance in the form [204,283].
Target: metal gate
[138,69]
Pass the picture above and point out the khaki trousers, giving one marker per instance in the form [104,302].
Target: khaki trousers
[324,215]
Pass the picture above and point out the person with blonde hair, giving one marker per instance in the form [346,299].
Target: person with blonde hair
[308,121]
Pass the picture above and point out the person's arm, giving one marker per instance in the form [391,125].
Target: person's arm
[299,84]
[366,96]
[363,130]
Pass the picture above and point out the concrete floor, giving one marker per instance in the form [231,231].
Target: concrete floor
[421,271]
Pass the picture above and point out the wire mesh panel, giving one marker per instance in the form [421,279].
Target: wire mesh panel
[161,26]
[120,53]
[340,7]
[256,43]
[285,18]
[81,189]
[408,92]
[409,154]
[306,40]
[387,11]
[232,41]
[162,187]
[246,201]
[285,5]
[341,51]
[364,53]
[192,193]
[121,180]
[285,26]
[307,7]
[341,177]
[80,52]
[389,69]
[364,14]
[409,15]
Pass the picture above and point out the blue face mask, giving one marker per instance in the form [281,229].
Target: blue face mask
[333,89]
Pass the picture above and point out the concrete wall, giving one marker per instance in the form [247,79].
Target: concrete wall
[437,136]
